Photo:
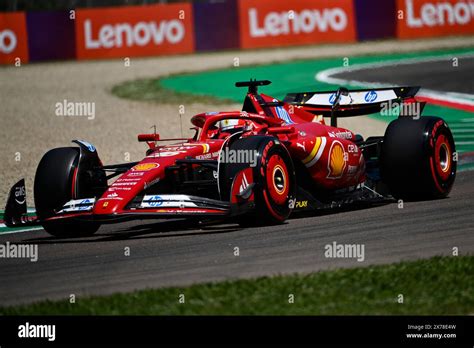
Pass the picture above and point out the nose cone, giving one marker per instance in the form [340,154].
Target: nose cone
[125,188]
[106,206]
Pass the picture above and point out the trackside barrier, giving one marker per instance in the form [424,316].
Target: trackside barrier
[216,25]
[269,23]
[153,30]
[134,31]
[51,35]
[432,18]
[375,19]
[13,38]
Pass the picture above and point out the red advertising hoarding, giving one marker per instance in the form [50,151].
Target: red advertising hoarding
[13,38]
[433,18]
[134,31]
[267,23]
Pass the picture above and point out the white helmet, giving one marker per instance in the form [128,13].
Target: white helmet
[230,124]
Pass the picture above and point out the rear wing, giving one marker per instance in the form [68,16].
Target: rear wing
[348,103]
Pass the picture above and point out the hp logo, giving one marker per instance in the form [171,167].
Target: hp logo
[155,201]
[370,96]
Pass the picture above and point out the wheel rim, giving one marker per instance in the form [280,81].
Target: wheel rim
[443,157]
[277,179]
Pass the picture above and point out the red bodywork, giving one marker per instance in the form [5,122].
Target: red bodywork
[328,153]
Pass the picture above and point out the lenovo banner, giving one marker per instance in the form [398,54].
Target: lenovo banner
[429,18]
[13,38]
[134,31]
[280,22]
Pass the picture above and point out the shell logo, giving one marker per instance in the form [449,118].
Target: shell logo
[143,167]
[337,161]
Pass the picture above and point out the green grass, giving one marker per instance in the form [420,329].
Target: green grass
[151,90]
[437,286]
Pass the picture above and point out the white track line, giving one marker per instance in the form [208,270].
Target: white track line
[19,231]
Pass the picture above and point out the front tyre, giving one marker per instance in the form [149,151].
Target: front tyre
[53,188]
[274,177]
[417,158]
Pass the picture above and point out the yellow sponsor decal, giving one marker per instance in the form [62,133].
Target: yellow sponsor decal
[205,148]
[316,153]
[313,153]
[301,204]
[337,160]
[143,167]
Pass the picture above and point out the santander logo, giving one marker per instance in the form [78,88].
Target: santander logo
[302,22]
[8,41]
[140,34]
[442,13]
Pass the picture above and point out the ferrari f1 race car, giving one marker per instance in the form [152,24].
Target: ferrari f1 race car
[255,166]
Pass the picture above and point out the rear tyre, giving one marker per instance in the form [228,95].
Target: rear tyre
[274,176]
[53,188]
[417,158]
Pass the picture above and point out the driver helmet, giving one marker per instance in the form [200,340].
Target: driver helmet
[231,125]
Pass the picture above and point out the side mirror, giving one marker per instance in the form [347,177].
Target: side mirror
[149,137]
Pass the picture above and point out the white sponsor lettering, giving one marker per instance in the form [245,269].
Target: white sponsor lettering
[305,22]
[439,14]
[7,41]
[124,183]
[140,34]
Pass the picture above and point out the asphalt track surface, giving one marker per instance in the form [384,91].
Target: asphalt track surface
[434,75]
[168,253]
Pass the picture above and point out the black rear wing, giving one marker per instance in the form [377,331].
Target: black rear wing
[348,103]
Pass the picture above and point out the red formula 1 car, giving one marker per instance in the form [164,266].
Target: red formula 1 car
[255,166]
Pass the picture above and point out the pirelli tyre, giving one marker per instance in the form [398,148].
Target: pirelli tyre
[53,188]
[418,158]
[273,175]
